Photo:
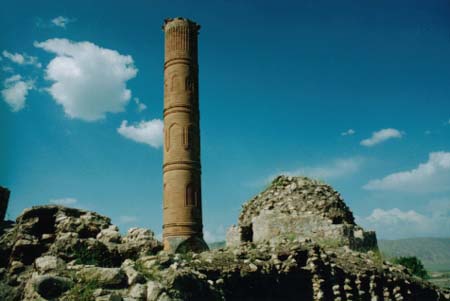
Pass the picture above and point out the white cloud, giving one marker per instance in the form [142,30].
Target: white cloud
[395,223]
[14,57]
[148,132]
[348,132]
[15,92]
[61,21]
[431,176]
[395,215]
[13,78]
[140,106]
[127,219]
[89,81]
[64,201]
[335,169]
[22,59]
[381,136]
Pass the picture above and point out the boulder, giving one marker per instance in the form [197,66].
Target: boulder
[46,264]
[133,276]
[138,292]
[138,242]
[154,289]
[104,277]
[109,235]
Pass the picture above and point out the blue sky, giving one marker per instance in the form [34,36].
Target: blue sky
[356,94]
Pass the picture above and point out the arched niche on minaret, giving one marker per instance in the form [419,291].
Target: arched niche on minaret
[192,198]
[174,136]
[176,83]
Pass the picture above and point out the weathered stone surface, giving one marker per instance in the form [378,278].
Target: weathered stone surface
[109,235]
[105,277]
[16,267]
[26,248]
[139,242]
[153,290]
[133,276]
[85,223]
[64,244]
[49,263]
[138,291]
[233,236]
[298,208]
[50,287]
[164,297]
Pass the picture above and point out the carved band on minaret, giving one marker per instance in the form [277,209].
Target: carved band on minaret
[182,229]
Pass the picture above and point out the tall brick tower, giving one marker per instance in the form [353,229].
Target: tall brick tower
[182,198]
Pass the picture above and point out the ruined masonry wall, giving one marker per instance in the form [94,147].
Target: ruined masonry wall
[4,199]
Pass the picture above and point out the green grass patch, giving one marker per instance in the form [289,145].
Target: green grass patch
[82,291]
[97,255]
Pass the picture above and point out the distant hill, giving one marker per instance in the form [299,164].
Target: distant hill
[216,245]
[433,252]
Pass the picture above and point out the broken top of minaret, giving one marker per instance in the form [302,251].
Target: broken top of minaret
[182,198]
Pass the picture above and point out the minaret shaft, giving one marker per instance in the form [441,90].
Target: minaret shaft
[182,201]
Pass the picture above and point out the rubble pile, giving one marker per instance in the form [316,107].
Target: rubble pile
[58,253]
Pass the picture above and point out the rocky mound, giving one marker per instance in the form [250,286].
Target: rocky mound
[300,208]
[45,238]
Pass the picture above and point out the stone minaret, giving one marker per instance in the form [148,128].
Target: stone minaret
[182,199]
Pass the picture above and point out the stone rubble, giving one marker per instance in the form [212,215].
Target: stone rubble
[57,253]
[51,249]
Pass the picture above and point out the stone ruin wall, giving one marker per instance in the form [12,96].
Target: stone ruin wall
[296,208]
[4,199]
[272,227]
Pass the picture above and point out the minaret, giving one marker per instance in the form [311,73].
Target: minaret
[182,198]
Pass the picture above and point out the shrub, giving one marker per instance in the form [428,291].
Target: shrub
[97,255]
[413,264]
